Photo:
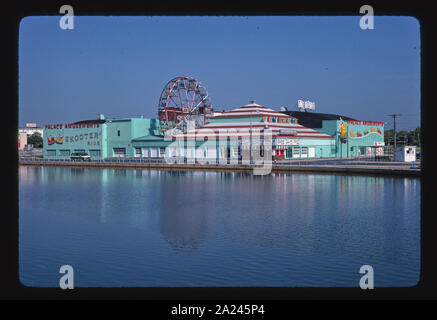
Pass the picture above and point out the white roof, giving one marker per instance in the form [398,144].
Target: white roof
[253,109]
[242,129]
[252,105]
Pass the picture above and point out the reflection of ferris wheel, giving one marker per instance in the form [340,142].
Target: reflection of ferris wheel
[183,99]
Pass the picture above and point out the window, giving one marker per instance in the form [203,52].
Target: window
[161,152]
[304,152]
[289,153]
[65,153]
[311,152]
[95,153]
[234,152]
[153,153]
[296,152]
[51,153]
[119,152]
[79,150]
[146,153]
[118,132]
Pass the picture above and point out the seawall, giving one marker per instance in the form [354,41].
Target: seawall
[385,170]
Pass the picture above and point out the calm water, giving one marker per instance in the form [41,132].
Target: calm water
[160,228]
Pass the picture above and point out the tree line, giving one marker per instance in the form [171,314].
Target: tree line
[403,137]
[35,139]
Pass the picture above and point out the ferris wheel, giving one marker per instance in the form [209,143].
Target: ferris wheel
[183,100]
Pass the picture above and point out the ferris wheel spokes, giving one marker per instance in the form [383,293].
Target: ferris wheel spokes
[183,99]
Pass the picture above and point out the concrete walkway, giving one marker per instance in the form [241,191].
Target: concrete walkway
[355,169]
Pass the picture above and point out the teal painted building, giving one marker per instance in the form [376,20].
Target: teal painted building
[353,137]
[360,138]
[61,140]
[227,137]
[101,138]
[122,132]
[230,136]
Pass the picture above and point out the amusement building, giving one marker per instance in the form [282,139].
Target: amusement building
[188,128]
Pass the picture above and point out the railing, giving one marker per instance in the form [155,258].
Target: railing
[107,160]
[122,160]
[356,161]
[363,160]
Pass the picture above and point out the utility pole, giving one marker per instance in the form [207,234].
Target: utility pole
[394,131]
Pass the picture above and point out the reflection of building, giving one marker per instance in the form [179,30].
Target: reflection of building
[183,222]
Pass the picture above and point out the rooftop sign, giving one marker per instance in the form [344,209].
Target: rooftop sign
[306,105]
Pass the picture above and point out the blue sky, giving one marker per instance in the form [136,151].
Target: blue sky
[119,65]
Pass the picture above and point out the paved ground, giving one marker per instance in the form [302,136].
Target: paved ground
[321,167]
[352,163]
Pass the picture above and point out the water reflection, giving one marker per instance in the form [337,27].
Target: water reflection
[345,216]
[183,213]
[182,209]
[365,219]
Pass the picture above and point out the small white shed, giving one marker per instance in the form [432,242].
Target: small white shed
[405,154]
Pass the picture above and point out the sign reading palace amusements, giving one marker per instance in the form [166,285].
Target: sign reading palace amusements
[91,136]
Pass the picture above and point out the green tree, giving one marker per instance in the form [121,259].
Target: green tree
[402,137]
[388,137]
[416,134]
[35,139]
